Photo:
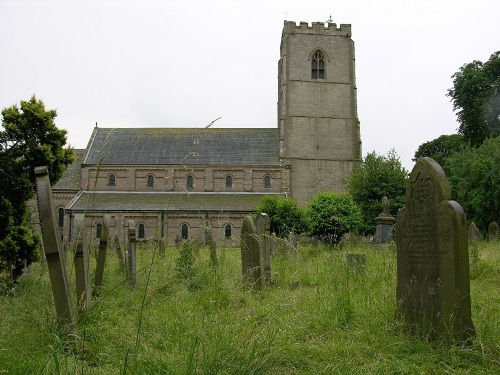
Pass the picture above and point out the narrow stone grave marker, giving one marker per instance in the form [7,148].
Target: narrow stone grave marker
[212,246]
[131,263]
[119,251]
[385,224]
[263,226]
[474,234]
[103,246]
[433,283]
[82,270]
[250,254]
[53,252]
[493,231]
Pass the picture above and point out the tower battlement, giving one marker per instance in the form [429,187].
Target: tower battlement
[291,27]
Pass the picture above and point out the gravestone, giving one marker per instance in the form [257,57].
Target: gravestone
[263,226]
[161,247]
[53,252]
[131,262]
[212,246]
[433,283]
[493,231]
[103,246]
[250,254]
[474,234]
[119,251]
[82,270]
[385,224]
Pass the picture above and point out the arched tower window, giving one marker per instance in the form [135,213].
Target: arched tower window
[184,231]
[111,180]
[227,231]
[98,230]
[318,65]
[140,230]
[60,217]
[229,181]
[189,182]
[267,181]
[151,181]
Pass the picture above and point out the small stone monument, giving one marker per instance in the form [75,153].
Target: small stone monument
[433,283]
[131,261]
[385,224]
[474,234]
[493,231]
[82,270]
[103,246]
[263,225]
[53,252]
[250,254]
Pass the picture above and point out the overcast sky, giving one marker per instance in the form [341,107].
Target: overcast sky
[152,63]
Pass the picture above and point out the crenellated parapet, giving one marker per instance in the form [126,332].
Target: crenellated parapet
[291,27]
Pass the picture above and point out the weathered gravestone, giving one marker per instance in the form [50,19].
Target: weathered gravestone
[53,252]
[493,231]
[103,246]
[385,224]
[263,225]
[433,286]
[82,267]
[474,234]
[211,245]
[131,261]
[250,254]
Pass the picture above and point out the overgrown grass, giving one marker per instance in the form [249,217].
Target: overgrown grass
[317,317]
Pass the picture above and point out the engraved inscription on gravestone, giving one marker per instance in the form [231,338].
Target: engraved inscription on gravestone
[433,286]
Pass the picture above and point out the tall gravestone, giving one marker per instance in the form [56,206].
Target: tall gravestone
[82,267]
[103,246]
[131,261]
[263,226]
[433,283]
[212,246]
[384,224]
[250,254]
[53,252]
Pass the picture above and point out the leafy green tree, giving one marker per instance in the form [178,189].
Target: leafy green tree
[440,148]
[475,181]
[29,139]
[378,176]
[476,99]
[286,215]
[331,215]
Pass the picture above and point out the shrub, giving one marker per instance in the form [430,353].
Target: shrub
[286,215]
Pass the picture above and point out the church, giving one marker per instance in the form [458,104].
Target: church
[174,182]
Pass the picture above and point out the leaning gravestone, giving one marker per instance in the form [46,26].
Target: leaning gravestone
[493,231]
[53,252]
[250,254]
[82,267]
[474,234]
[103,246]
[433,284]
[263,226]
[385,224]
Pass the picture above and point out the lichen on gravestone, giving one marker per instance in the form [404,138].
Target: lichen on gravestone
[433,282]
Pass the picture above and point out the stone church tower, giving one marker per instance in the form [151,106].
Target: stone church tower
[317,115]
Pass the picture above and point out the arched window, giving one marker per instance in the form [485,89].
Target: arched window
[98,230]
[60,216]
[227,230]
[189,182]
[151,181]
[184,231]
[229,181]
[318,66]
[111,180]
[140,230]
[267,181]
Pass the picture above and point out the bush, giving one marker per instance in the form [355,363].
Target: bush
[285,214]
[331,215]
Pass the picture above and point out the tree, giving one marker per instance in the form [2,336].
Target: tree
[285,214]
[29,139]
[475,181]
[476,98]
[331,215]
[440,148]
[378,176]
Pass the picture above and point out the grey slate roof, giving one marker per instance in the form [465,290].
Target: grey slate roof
[165,201]
[72,177]
[186,146]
